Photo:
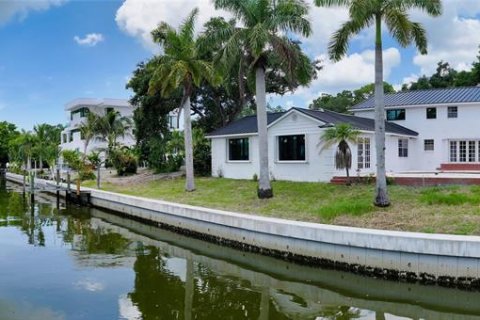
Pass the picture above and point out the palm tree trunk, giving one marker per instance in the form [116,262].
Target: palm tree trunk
[264,187]
[348,177]
[190,183]
[381,197]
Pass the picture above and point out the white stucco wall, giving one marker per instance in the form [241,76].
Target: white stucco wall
[441,129]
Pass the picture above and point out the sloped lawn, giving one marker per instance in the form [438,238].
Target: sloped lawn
[453,209]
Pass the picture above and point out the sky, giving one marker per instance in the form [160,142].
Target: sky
[53,51]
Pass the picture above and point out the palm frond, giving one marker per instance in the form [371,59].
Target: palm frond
[431,7]
[399,26]
[338,45]
[291,15]
[187,29]
[332,3]
[419,35]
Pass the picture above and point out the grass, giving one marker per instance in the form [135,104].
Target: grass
[453,210]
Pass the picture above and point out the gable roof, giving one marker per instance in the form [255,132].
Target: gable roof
[425,97]
[248,125]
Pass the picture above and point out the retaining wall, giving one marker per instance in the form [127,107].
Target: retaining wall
[432,258]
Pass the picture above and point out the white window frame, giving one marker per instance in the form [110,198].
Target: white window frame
[432,145]
[466,151]
[451,113]
[402,145]
[364,159]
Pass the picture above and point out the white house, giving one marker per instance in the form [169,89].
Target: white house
[447,122]
[78,109]
[426,130]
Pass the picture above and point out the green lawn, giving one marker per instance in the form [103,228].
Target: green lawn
[452,209]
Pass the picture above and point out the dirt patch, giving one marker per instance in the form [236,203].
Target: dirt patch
[142,176]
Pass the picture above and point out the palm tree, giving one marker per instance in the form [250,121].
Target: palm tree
[181,67]
[89,129]
[363,14]
[262,34]
[112,126]
[341,134]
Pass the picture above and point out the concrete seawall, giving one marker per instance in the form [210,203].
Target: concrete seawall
[430,258]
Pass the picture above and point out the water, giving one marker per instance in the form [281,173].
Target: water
[86,264]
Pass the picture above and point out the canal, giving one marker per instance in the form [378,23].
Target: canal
[67,262]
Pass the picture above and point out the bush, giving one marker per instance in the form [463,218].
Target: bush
[87,174]
[124,161]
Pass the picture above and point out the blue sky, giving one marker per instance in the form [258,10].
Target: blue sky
[54,51]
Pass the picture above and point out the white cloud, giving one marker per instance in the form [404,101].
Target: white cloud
[352,72]
[89,40]
[139,17]
[453,37]
[10,9]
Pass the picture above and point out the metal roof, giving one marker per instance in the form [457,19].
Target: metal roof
[425,97]
[248,125]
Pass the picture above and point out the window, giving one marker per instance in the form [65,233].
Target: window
[363,153]
[64,138]
[464,151]
[172,122]
[453,151]
[472,150]
[403,148]
[452,112]
[395,114]
[431,113]
[429,145]
[291,148]
[82,111]
[238,149]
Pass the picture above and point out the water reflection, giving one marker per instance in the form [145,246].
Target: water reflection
[107,267]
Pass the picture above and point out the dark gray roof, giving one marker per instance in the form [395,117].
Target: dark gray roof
[422,97]
[244,125]
[249,124]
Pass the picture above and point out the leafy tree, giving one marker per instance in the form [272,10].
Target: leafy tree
[151,116]
[341,134]
[8,132]
[363,14]
[343,101]
[181,67]
[262,33]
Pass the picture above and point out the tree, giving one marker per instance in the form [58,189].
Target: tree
[111,126]
[341,134]
[363,14]
[89,129]
[181,67]
[8,132]
[263,35]
[47,138]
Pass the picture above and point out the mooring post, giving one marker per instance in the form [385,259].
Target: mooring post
[32,187]
[24,181]
[98,176]
[58,187]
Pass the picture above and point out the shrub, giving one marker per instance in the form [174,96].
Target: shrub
[255,177]
[124,161]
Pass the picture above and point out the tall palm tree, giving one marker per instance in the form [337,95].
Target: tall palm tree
[366,13]
[341,134]
[181,67]
[262,33]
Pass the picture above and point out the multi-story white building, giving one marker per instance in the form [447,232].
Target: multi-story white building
[71,138]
